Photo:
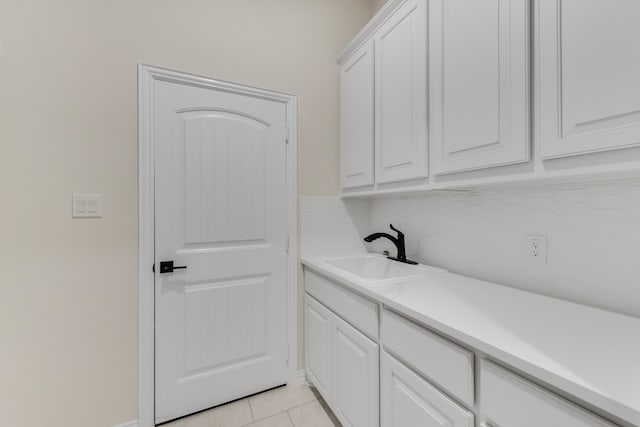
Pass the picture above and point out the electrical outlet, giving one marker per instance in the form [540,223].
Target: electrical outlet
[537,248]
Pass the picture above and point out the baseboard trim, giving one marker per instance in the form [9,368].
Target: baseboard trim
[133,423]
[301,377]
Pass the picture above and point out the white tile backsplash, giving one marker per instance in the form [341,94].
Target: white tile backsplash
[593,234]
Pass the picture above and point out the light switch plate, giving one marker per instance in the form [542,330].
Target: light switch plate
[86,205]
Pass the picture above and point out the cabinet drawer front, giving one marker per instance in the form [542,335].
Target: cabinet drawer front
[510,400]
[444,363]
[359,311]
[408,400]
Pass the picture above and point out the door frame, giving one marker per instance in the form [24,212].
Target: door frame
[147,74]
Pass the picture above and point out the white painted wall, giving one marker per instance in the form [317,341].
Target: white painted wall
[593,235]
[68,123]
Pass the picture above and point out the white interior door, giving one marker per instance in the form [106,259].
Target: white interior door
[220,211]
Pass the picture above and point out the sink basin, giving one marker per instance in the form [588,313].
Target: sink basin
[373,268]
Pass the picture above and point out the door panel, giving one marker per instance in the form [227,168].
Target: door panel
[409,401]
[225,310]
[220,167]
[401,95]
[317,335]
[355,376]
[357,118]
[478,83]
[589,75]
[225,184]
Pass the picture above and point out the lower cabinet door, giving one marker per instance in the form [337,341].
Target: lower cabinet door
[409,401]
[317,345]
[355,376]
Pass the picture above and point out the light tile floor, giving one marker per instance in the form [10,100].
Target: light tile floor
[295,405]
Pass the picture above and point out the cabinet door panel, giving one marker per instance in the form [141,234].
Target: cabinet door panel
[479,83]
[589,75]
[357,118]
[317,349]
[355,376]
[401,95]
[409,401]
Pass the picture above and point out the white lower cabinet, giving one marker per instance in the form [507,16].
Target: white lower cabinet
[409,401]
[419,378]
[343,364]
[355,376]
[443,363]
[317,345]
[511,401]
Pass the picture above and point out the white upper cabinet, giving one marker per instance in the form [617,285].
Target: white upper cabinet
[401,94]
[478,83]
[356,121]
[589,75]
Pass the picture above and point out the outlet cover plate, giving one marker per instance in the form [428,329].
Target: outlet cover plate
[536,248]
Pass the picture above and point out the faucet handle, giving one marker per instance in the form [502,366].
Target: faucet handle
[400,233]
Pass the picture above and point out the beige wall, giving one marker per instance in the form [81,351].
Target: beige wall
[376,5]
[68,123]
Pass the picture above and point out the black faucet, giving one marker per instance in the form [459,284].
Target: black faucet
[398,241]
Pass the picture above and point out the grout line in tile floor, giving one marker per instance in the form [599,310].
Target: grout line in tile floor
[304,417]
[315,399]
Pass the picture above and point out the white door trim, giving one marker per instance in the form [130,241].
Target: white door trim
[146,76]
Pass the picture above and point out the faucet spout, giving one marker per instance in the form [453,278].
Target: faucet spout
[371,237]
[397,241]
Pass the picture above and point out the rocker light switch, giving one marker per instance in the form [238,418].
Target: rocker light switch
[87,205]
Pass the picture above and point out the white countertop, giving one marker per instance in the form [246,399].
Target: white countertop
[589,353]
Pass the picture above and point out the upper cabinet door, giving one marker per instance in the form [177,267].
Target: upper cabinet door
[479,83]
[401,94]
[356,121]
[589,75]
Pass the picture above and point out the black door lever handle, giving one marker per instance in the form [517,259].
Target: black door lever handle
[168,267]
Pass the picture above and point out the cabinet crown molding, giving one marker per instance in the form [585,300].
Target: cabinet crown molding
[378,19]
